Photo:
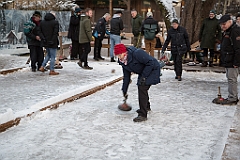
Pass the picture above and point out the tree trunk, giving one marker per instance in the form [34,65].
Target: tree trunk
[193,14]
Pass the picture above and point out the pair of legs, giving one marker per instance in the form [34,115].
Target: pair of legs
[86,49]
[232,77]
[51,54]
[177,59]
[150,46]
[144,103]
[97,49]
[76,50]
[36,56]
[114,39]
[205,56]
[137,41]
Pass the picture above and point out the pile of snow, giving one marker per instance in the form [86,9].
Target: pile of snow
[7,116]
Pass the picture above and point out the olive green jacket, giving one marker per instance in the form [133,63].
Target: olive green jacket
[85,33]
[136,25]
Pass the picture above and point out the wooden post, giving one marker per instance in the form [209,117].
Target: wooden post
[110,7]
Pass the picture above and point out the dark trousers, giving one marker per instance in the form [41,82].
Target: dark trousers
[205,52]
[76,49]
[86,49]
[143,99]
[177,59]
[36,56]
[97,48]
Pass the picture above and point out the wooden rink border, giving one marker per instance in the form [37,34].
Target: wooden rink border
[16,121]
[4,72]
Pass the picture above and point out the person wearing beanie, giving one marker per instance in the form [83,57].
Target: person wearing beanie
[73,33]
[149,30]
[116,25]
[178,37]
[99,33]
[230,57]
[148,69]
[31,30]
[210,33]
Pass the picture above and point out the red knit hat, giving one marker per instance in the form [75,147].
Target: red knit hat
[119,49]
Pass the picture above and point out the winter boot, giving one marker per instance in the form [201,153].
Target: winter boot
[211,62]
[179,78]
[112,59]
[80,64]
[205,62]
[41,69]
[87,67]
[140,119]
[53,73]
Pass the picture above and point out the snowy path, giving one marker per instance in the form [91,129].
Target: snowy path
[183,124]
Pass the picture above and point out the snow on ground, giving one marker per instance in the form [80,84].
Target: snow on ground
[183,124]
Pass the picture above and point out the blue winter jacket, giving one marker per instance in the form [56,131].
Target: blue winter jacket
[141,63]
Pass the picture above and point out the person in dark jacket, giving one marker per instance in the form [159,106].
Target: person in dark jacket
[178,37]
[31,30]
[150,29]
[136,28]
[230,55]
[116,24]
[73,33]
[85,37]
[210,33]
[148,69]
[49,29]
[99,33]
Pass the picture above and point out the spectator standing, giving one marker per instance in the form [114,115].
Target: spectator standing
[49,29]
[99,34]
[148,69]
[230,55]
[116,25]
[85,37]
[178,37]
[149,30]
[210,33]
[73,33]
[31,30]
[136,28]
[238,20]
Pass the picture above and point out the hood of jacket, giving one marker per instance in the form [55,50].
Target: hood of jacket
[116,16]
[130,51]
[49,17]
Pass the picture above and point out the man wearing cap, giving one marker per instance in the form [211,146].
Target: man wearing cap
[116,25]
[136,28]
[230,56]
[178,37]
[150,29]
[238,20]
[73,33]
[210,33]
[31,30]
[148,69]
[99,33]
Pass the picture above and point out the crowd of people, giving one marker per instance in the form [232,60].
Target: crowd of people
[133,59]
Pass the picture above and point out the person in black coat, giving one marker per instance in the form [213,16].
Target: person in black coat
[178,37]
[148,69]
[49,29]
[31,30]
[99,33]
[73,33]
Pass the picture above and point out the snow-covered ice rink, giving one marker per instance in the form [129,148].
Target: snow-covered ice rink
[183,124]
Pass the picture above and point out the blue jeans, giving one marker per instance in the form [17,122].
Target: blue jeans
[51,54]
[114,39]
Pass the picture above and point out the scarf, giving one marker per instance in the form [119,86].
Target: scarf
[124,61]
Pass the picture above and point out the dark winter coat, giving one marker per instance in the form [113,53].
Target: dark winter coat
[136,25]
[141,63]
[100,28]
[85,34]
[49,29]
[73,31]
[31,30]
[179,40]
[116,25]
[150,20]
[210,31]
[230,47]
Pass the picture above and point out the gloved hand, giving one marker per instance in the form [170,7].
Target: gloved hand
[142,81]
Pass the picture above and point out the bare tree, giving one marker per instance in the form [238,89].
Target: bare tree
[193,14]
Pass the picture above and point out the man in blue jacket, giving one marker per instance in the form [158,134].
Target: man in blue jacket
[148,69]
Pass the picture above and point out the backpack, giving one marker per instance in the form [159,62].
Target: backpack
[150,31]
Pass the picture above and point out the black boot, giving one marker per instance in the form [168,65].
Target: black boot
[205,63]
[112,59]
[211,62]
